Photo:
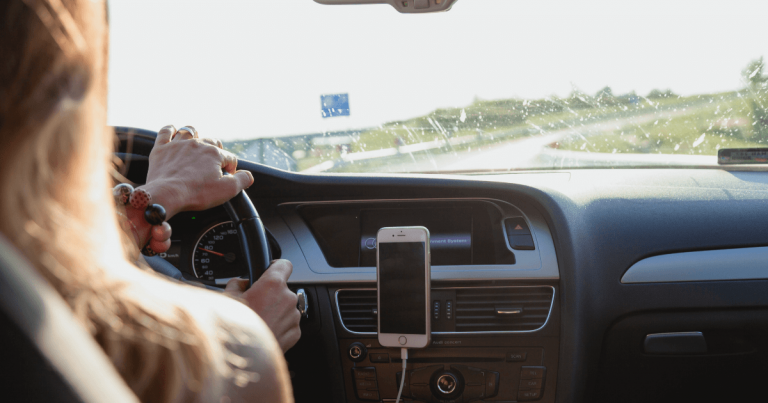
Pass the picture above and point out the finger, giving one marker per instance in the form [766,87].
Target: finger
[230,185]
[236,285]
[185,133]
[290,338]
[281,269]
[165,134]
[214,142]
[160,246]
[161,232]
[230,162]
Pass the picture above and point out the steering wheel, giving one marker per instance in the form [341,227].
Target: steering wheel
[251,233]
[135,146]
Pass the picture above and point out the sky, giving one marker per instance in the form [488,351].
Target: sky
[242,69]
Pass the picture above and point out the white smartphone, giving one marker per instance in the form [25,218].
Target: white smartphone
[403,281]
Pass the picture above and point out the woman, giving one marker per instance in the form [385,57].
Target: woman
[169,342]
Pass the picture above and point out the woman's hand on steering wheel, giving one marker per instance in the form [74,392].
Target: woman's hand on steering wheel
[273,301]
[185,172]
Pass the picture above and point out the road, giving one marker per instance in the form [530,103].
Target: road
[533,152]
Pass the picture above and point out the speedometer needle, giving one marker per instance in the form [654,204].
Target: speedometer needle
[210,251]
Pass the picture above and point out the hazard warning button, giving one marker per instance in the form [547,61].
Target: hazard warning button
[516,226]
[518,234]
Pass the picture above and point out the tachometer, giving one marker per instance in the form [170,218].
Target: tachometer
[218,254]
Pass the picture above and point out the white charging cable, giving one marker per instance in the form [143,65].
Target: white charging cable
[404,357]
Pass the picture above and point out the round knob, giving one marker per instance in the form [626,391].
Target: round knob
[303,303]
[446,383]
[357,351]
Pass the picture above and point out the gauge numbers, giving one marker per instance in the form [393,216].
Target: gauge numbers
[218,254]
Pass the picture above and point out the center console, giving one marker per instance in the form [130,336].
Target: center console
[480,350]
[495,317]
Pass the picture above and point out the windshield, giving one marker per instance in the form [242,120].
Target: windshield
[491,85]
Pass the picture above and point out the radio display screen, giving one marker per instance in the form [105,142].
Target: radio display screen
[450,231]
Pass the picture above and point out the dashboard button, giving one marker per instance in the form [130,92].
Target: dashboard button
[525,395]
[474,392]
[366,384]
[357,351]
[422,392]
[491,383]
[521,242]
[516,226]
[368,395]
[447,383]
[364,373]
[472,376]
[531,384]
[516,356]
[421,376]
[379,357]
[532,372]
[407,383]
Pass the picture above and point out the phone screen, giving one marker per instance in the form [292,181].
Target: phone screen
[402,288]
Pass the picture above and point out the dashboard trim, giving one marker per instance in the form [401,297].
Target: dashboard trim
[546,321]
[539,264]
[708,265]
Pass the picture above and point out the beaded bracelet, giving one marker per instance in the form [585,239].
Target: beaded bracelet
[140,199]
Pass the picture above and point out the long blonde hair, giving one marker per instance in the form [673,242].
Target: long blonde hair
[55,204]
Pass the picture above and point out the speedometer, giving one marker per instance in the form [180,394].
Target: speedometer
[218,254]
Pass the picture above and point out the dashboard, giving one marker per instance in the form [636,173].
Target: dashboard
[627,285]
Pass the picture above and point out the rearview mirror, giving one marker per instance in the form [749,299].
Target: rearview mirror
[403,6]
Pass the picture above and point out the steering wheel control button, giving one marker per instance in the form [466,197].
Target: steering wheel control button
[379,357]
[532,372]
[402,340]
[357,352]
[516,356]
[446,384]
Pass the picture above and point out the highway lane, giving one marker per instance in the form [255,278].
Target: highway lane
[533,152]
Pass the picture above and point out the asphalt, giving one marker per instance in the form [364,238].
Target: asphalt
[535,151]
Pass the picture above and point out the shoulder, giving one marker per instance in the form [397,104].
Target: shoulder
[246,362]
[249,364]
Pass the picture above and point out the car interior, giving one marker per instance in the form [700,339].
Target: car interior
[578,284]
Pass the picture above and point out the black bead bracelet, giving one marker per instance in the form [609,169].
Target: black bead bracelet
[154,214]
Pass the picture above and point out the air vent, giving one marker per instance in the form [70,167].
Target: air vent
[357,309]
[502,309]
[477,309]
